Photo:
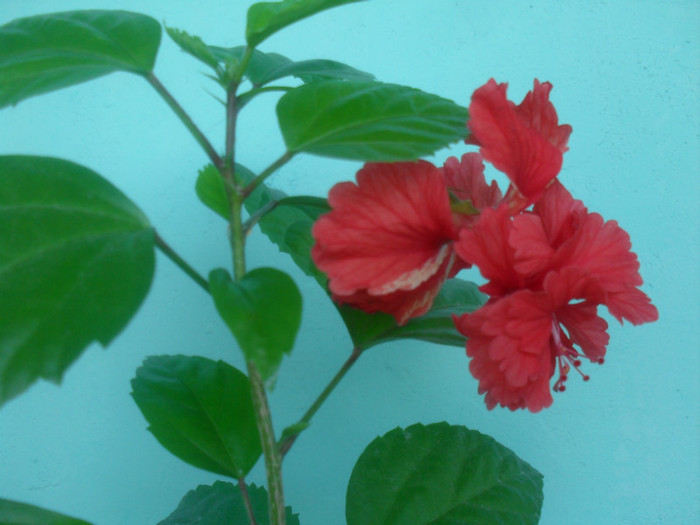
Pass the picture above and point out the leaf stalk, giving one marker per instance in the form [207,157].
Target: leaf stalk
[287,442]
[186,120]
[181,263]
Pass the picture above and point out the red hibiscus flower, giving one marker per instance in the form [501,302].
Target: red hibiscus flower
[525,141]
[548,270]
[387,244]
[391,240]
[518,341]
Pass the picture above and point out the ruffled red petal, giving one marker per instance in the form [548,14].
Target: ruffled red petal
[560,213]
[465,180]
[604,251]
[523,141]
[632,304]
[533,252]
[390,232]
[538,113]
[585,328]
[402,305]
[486,245]
[509,343]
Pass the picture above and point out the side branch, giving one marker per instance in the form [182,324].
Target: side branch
[286,157]
[186,120]
[287,442]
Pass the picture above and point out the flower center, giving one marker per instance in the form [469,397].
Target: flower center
[567,357]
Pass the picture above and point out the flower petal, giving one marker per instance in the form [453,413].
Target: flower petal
[509,342]
[632,304]
[401,304]
[533,253]
[465,180]
[390,232]
[560,213]
[538,113]
[604,250]
[523,142]
[585,328]
[486,246]
[571,283]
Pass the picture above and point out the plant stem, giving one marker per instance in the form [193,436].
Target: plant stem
[237,236]
[246,500]
[186,120]
[250,188]
[263,419]
[287,443]
[231,116]
[273,459]
[247,55]
[181,263]
[232,107]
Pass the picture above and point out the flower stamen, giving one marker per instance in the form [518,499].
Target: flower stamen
[566,357]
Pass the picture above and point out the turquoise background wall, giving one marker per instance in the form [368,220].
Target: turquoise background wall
[620,449]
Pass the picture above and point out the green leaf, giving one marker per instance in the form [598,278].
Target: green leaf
[260,65]
[264,68]
[266,18]
[222,503]
[211,190]
[263,312]
[76,261]
[200,410]
[369,121]
[442,475]
[289,227]
[15,513]
[48,52]
[194,46]
[456,297]
[314,70]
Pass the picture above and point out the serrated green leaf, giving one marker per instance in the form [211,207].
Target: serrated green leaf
[222,503]
[264,68]
[263,312]
[76,261]
[266,18]
[369,121]
[15,513]
[442,475]
[43,53]
[200,410]
[259,66]
[314,70]
[193,45]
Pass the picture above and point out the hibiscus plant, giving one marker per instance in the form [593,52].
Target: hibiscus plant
[77,259]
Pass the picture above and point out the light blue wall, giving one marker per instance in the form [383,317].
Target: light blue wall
[620,449]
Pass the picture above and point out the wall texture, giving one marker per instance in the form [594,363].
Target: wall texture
[620,449]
